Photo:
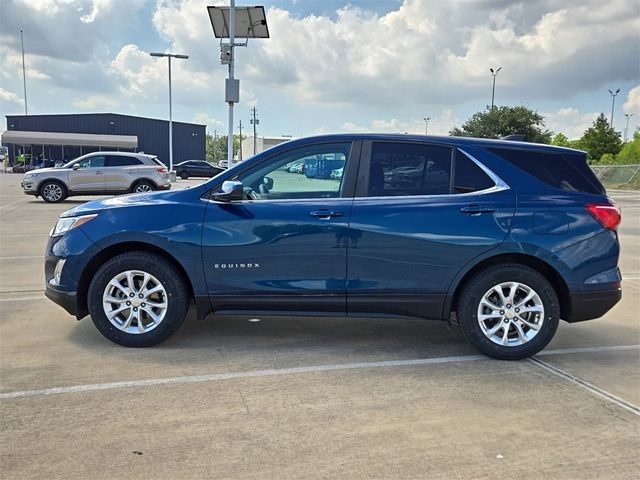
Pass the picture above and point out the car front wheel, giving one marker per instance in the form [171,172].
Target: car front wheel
[138,299]
[508,311]
[53,192]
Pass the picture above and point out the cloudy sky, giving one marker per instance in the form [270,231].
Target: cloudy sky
[330,65]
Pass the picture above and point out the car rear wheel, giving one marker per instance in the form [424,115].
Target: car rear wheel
[143,186]
[138,299]
[53,192]
[508,311]
[184,175]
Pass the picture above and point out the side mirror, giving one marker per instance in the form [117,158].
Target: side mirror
[76,166]
[268,182]
[231,190]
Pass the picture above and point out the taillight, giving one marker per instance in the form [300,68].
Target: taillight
[606,214]
[161,169]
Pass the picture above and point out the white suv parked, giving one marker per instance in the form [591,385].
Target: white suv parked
[98,173]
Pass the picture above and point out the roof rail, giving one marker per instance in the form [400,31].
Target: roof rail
[514,137]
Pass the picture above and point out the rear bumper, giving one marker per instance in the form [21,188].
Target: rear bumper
[591,305]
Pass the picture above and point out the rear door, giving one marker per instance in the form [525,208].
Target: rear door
[90,177]
[121,172]
[420,214]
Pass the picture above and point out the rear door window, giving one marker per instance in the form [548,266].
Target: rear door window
[469,177]
[121,161]
[401,169]
[566,171]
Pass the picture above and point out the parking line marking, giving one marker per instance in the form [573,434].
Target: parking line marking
[279,371]
[19,299]
[586,385]
[22,257]
[12,203]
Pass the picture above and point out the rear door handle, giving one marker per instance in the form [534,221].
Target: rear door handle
[324,214]
[477,209]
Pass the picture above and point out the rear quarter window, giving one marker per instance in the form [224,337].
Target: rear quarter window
[566,171]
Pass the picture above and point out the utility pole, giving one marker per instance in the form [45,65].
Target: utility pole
[254,121]
[626,129]
[215,145]
[426,125]
[493,90]
[240,153]
[24,74]
[232,41]
[613,103]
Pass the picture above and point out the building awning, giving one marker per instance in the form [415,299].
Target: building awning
[17,137]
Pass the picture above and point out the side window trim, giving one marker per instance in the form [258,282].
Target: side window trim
[499,183]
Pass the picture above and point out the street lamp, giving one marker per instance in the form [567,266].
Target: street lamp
[426,125]
[169,57]
[231,22]
[494,74]
[626,129]
[254,121]
[613,102]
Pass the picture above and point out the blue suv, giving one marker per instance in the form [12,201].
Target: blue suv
[503,238]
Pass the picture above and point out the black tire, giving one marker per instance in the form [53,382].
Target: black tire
[177,297]
[184,175]
[473,292]
[143,186]
[53,191]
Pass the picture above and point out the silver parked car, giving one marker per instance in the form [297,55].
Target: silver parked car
[98,173]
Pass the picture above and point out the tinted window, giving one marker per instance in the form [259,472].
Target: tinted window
[468,176]
[309,172]
[91,162]
[409,169]
[157,162]
[566,171]
[122,161]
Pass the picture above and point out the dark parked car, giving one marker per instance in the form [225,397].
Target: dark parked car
[518,237]
[196,168]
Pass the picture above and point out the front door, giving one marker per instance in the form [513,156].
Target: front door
[282,248]
[421,213]
[90,176]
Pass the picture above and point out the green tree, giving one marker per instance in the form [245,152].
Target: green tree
[600,138]
[216,147]
[561,140]
[501,121]
[630,153]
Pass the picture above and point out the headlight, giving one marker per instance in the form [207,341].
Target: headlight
[30,175]
[67,223]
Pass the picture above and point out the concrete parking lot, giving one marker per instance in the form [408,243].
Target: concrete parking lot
[305,398]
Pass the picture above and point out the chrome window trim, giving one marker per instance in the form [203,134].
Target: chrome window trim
[496,179]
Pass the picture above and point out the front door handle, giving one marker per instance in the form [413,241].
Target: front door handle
[477,209]
[99,172]
[324,214]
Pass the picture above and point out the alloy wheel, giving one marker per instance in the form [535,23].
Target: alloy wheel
[52,192]
[135,301]
[510,314]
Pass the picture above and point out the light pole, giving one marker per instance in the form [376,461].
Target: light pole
[233,23]
[626,129]
[613,103]
[169,57]
[494,74]
[240,152]
[426,125]
[24,74]
[254,121]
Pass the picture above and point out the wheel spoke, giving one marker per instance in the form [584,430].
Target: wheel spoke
[499,290]
[154,317]
[152,304]
[112,299]
[493,330]
[145,280]
[116,283]
[127,322]
[483,318]
[526,299]
[130,283]
[531,325]
[505,335]
[112,314]
[534,309]
[521,335]
[140,322]
[485,301]
[513,288]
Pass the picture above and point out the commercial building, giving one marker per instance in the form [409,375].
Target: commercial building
[60,137]
[262,144]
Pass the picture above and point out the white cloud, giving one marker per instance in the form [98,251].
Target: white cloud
[211,123]
[569,121]
[632,104]
[96,102]
[10,97]
[438,125]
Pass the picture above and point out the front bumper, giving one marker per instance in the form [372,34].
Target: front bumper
[589,305]
[67,300]
[29,187]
